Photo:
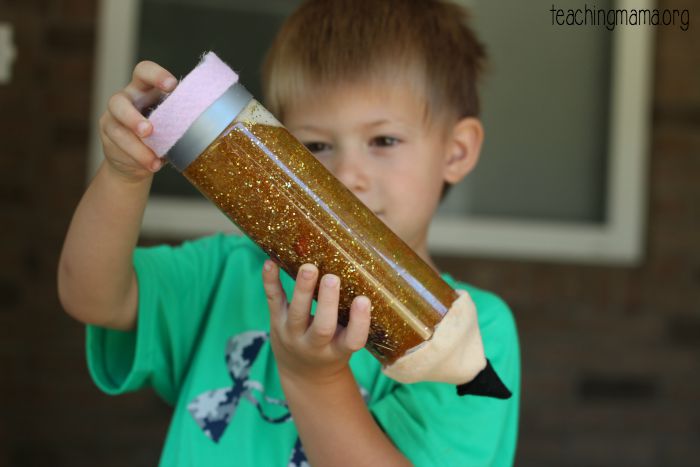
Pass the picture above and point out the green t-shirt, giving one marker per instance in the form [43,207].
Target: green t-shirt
[201,344]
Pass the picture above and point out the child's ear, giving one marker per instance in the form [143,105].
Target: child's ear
[464,146]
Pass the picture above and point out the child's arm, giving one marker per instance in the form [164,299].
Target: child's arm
[96,279]
[312,354]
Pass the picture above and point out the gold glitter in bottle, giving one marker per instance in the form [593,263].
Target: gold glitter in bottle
[287,202]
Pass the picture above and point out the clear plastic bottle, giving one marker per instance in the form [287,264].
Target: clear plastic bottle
[288,203]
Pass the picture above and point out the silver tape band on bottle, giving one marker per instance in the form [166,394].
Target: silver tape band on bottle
[208,126]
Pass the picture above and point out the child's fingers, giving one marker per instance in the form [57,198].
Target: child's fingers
[298,313]
[354,336]
[115,153]
[325,322]
[148,84]
[276,299]
[148,75]
[124,111]
[130,145]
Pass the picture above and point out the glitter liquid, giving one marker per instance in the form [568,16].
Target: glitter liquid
[287,202]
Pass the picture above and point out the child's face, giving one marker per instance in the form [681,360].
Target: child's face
[374,140]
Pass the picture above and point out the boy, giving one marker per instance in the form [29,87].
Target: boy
[383,93]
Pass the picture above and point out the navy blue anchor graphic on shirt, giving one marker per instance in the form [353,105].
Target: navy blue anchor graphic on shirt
[213,410]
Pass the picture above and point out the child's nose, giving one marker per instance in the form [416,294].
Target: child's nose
[351,169]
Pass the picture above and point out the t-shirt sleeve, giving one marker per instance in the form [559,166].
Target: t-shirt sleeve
[431,425]
[175,285]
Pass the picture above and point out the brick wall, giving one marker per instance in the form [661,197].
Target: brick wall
[611,355]
[50,413]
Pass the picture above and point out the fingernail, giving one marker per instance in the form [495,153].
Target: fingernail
[267,266]
[331,280]
[169,83]
[155,165]
[143,128]
[362,302]
[307,273]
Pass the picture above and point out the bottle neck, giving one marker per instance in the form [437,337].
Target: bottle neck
[208,126]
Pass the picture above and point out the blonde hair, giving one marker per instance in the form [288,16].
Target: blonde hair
[426,43]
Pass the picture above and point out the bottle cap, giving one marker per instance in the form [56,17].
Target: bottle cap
[202,105]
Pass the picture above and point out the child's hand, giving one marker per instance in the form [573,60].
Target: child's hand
[122,125]
[312,349]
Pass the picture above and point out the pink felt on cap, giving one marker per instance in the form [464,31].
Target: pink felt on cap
[195,92]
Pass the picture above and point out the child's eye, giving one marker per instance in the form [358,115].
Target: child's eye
[315,147]
[384,141]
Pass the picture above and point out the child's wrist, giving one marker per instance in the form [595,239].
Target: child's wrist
[132,180]
[317,381]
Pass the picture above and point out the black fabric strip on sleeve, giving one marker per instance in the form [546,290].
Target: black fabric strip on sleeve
[487,383]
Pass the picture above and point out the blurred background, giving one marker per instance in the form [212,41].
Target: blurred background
[610,353]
